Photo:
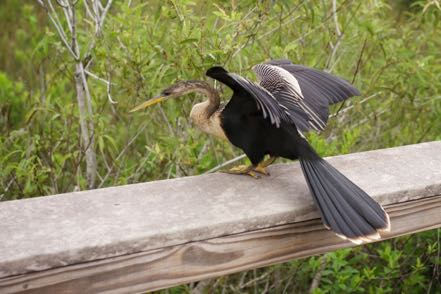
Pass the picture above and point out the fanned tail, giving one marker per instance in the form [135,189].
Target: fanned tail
[344,207]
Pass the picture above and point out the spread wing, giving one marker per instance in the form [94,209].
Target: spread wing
[305,92]
[265,101]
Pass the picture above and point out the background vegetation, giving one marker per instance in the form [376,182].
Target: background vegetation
[389,49]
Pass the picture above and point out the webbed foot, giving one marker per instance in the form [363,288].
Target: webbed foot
[261,167]
[243,170]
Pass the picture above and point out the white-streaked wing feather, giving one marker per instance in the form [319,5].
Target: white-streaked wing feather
[318,85]
[286,89]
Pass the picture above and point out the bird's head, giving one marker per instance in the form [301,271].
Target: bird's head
[176,90]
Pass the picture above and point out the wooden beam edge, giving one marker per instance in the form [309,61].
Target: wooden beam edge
[193,261]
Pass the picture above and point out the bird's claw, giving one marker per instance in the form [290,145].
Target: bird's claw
[261,167]
[243,170]
[261,170]
[252,170]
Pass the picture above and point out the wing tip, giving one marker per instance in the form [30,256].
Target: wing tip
[355,91]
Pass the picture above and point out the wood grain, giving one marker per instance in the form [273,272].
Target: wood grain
[174,265]
[44,233]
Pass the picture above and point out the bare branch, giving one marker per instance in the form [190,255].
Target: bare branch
[220,166]
[201,286]
[108,84]
[59,2]
[99,22]
[352,106]
[103,15]
[42,4]
[72,13]
[84,97]
[68,17]
[318,275]
[86,125]
[100,6]
[97,16]
[334,12]
[108,93]
[88,10]
[97,77]
[86,90]
[331,60]
[63,37]
[53,16]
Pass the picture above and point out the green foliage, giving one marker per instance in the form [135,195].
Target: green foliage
[12,97]
[389,50]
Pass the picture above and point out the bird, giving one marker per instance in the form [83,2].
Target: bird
[270,118]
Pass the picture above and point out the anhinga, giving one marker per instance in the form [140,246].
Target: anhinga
[270,118]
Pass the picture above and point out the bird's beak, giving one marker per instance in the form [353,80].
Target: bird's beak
[150,102]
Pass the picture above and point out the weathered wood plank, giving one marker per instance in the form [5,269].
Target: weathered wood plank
[174,265]
[152,235]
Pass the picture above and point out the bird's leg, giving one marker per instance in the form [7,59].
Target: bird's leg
[261,167]
[252,170]
[243,170]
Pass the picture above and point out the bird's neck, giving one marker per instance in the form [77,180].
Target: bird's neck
[209,106]
[205,115]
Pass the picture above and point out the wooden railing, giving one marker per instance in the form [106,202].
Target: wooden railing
[155,235]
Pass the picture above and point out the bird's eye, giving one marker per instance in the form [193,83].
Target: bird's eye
[166,92]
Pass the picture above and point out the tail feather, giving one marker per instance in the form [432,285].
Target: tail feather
[345,208]
[358,199]
[349,221]
[331,206]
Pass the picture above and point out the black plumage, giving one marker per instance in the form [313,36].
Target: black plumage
[266,119]
[270,118]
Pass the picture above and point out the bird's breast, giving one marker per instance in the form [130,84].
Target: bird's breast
[211,125]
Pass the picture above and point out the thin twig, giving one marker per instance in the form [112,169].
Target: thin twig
[57,24]
[334,12]
[359,60]
[289,21]
[67,15]
[88,10]
[231,161]
[104,13]
[352,106]
[201,286]
[97,77]
[122,153]
[108,84]
[73,21]
[318,275]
